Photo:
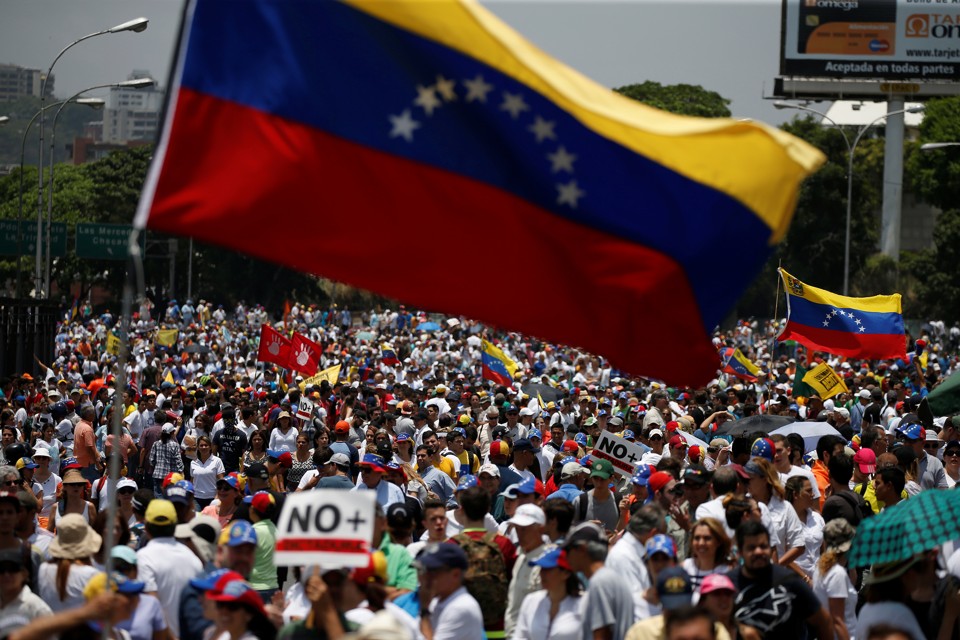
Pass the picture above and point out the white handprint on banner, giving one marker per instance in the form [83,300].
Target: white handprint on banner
[303,356]
[274,346]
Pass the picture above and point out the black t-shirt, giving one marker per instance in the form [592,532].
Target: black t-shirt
[776,602]
[230,443]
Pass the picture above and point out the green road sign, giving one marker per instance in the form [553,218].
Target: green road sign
[28,238]
[104,241]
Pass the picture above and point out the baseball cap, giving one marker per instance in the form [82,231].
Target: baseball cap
[762,448]
[584,532]
[716,582]
[526,515]
[373,462]
[262,502]
[342,427]
[740,471]
[753,469]
[571,470]
[207,581]
[240,532]
[399,516]
[522,444]
[659,480]
[176,493]
[864,393]
[499,448]
[674,588]
[866,459]
[161,512]
[340,459]
[641,475]
[169,428]
[534,433]
[551,559]
[912,431]
[26,463]
[231,480]
[661,543]
[696,475]
[445,555]
[601,469]
[466,482]
[527,486]
[489,469]
[655,432]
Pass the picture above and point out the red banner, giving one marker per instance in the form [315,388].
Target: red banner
[273,347]
[304,355]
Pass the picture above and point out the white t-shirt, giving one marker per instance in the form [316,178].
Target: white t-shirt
[165,566]
[788,525]
[533,621]
[457,617]
[49,494]
[284,442]
[714,509]
[812,541]
[204,476]
[77,579]
[836,584]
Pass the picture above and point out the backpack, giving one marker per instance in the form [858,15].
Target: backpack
[486,577]
[863,508]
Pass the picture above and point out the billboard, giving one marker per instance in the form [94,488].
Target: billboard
[880,39]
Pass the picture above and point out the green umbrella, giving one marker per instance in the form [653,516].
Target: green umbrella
[945,399]
[911,527]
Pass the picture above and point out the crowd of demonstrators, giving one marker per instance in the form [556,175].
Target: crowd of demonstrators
[495,517]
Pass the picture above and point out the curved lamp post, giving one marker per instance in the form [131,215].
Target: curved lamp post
[136,25]
[138,83]
[851,148]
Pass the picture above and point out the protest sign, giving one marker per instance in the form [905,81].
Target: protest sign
[327,528]
[624,455]
[305,409]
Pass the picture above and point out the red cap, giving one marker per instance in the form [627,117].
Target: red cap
[570,446]
[659,480]
[673,425]
[678,441]
[285,460]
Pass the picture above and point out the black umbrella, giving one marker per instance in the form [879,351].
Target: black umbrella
[548,393]
[760,422]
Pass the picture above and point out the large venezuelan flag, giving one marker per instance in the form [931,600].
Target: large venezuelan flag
[293,125]
[496,366]
[856,327]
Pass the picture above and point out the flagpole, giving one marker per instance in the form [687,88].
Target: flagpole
[776,324]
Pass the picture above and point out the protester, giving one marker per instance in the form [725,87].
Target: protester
[831,579]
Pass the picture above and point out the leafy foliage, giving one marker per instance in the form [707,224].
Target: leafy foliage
[682,99]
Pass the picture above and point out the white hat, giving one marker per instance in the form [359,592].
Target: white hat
[528,514]
[655,432]
[864,393]
[527,411]
[571,470]
[169,428]
[932,436]
[42,452]
[125,483]
[829,405]
[491,469]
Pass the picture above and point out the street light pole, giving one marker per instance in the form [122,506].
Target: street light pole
[139,83]
[136,25]
[851,149]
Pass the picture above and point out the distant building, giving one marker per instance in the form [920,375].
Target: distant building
[18,82]
[132,114]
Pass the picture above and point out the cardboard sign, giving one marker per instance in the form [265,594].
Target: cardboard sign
[624,455]
[326,527]
[305,409]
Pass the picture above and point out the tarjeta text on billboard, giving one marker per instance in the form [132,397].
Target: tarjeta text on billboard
[882,39]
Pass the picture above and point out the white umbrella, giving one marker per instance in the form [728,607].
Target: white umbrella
[810,431]
[691,440]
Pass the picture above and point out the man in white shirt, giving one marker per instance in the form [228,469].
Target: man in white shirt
[164,564]
[629,554]
[453,614]
[528,522]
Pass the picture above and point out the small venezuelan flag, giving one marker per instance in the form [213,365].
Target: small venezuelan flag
[735,363]
[388,355]
[496,365]
[854,327]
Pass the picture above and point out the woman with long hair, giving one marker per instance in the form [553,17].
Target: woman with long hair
[205,470]
[403,450]
[799,493]
[165,457]
[61,580]
[49,482]
[321,439]
[73,500]
[709,550]
[302,462]
[284,434]
[554,612]
[49,442]
[831,580]
[764,486]
[886,595]
[228,499]
[256,449]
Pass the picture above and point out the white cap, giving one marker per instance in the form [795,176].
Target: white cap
[864,393]
[527,411]
[932,436]
[829,405]
[571,469]
[528,514]
[655,432]
[124,483]
[42,452]
[491,469]
[169,428]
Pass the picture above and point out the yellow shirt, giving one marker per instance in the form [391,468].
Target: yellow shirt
[447,467]
[465,465]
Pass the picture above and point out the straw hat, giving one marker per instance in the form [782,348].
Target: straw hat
[73,476]
[75,539]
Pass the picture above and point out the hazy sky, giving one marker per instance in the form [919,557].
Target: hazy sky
[729,47]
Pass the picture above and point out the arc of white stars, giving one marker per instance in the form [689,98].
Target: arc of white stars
[403,126]
[427,99]
[446,89]
[513,104]
[569,194]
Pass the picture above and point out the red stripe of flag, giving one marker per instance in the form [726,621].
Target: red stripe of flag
[328,545]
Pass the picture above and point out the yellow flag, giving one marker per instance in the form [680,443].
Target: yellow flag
[331,375]
[113,344]
[166,337]
[825,380]
[169,377]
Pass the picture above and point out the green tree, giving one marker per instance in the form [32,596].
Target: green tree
[682,99]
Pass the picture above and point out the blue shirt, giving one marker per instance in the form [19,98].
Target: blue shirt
[568,492]
[387,493]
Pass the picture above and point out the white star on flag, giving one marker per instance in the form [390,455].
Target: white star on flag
[543,129]
[513,103]
[857,321]
[403,126]
[569,194]
[446,89]
[427,99]
[561,160]
[477,89]
[862,329]
[826,323]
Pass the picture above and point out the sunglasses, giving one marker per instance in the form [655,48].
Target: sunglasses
[933,446]
[953,453]
[656,437]
[230,606]
[10,568]
[126,492]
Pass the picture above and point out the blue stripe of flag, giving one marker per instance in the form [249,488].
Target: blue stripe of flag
[828,317]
